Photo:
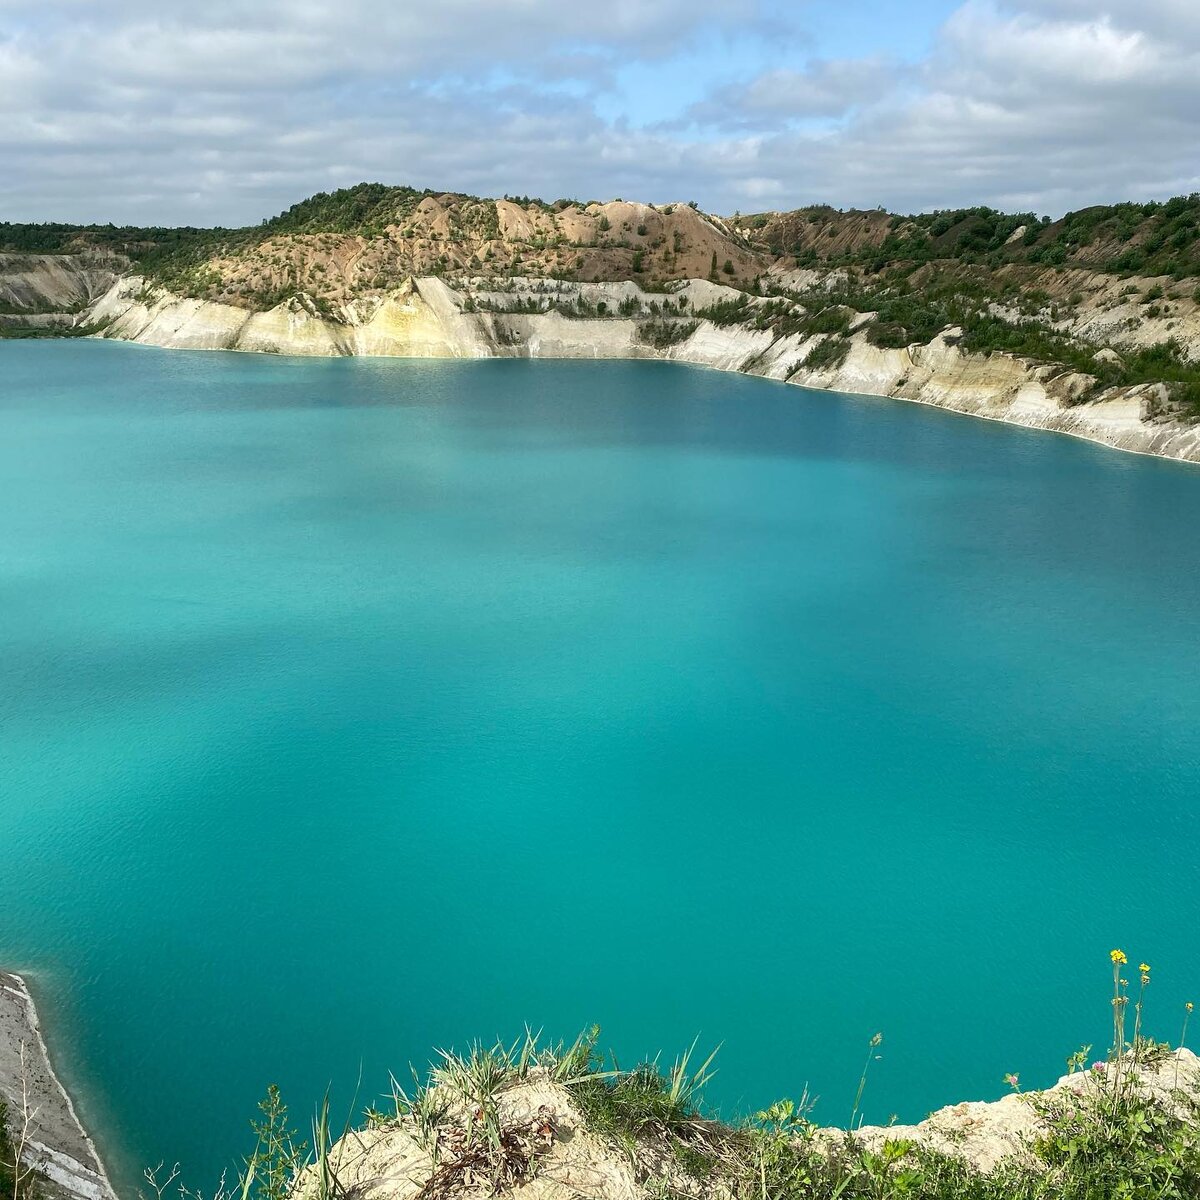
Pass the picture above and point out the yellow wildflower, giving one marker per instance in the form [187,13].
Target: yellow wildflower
[1118,957]
[1144,968]
[1188,1006]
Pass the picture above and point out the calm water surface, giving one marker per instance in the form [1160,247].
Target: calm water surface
[353,708]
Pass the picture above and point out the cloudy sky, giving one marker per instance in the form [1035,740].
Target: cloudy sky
[229,110]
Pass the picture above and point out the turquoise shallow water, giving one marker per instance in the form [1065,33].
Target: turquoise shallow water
[353,708]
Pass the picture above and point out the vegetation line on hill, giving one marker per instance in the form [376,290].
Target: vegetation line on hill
[1110,292]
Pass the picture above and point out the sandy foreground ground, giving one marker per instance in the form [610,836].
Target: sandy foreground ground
[56,1142]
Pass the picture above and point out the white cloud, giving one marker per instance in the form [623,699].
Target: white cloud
[229,111]
[784,95]
[1046,104]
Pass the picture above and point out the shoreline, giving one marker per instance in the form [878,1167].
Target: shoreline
[62,1148]
[1095,439]
[429,317]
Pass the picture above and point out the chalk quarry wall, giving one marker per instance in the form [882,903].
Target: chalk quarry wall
[54,290]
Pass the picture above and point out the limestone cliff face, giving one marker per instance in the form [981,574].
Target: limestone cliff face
[426,318]
[53,290]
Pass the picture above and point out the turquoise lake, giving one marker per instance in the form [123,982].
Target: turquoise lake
[353,708]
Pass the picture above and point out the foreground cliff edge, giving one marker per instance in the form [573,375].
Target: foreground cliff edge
[537,1122]
[540,1127]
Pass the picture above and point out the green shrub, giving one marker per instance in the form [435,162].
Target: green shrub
[834,319]
[828,354]
[728,312]
[661,334]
